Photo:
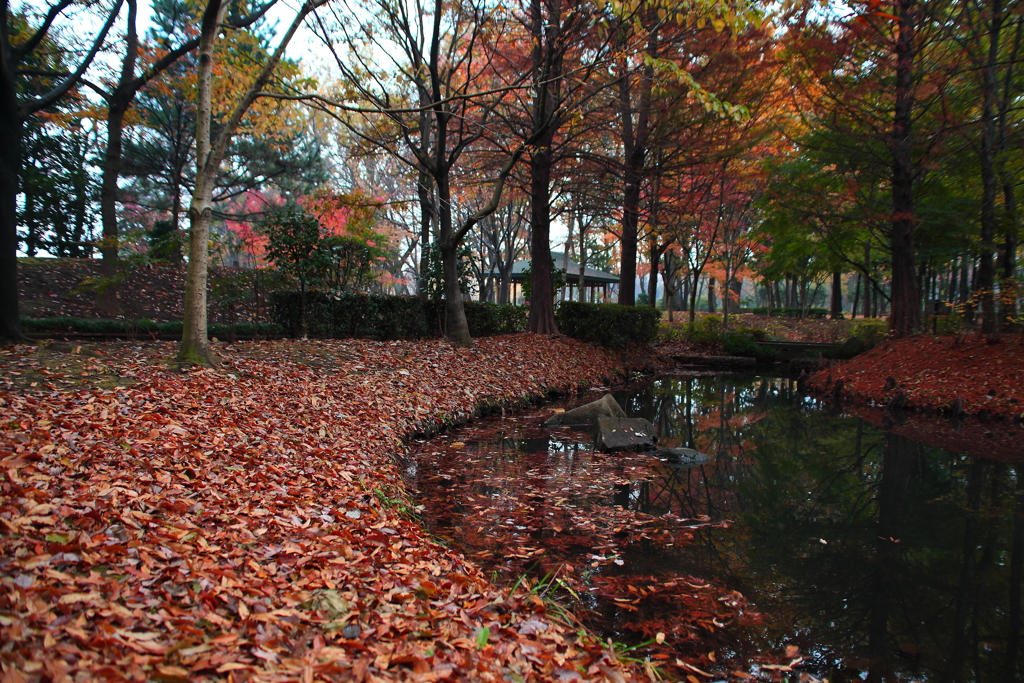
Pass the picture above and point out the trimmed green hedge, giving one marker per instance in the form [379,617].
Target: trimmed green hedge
[611,325]
[788,312]
[382,317]
[140,327]
[487,319]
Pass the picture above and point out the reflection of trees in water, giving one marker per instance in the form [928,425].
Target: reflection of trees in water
[886,557]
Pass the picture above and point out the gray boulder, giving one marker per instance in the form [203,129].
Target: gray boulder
[682,457]
[623,434]
[586,415]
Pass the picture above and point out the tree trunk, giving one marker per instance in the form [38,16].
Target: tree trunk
[856,296]
[107,297]
[652,282]
[906,315]
[711,295]
[989,130]
[456,326]
[630,220]
[11,128]
[635,136]
[1008,307]
[117,105]
[837,295]
[195,347]
[542,309]
[423,193]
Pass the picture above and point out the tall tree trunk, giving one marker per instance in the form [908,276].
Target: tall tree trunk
[542,310]
[546,58]
[837,295]
[906,315]
[107,297]
[11,127]
[989,131]
[635,135]
[424,194]
[630,220]
[711,295]
[1010,289]
[117,105]
[856,296]
[195,346]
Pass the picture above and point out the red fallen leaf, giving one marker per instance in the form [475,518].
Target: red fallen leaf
[12,675]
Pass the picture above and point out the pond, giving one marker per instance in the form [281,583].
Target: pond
[816,540]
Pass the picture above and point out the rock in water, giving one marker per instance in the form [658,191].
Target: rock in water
[682,457]
[623,434]
[586,415]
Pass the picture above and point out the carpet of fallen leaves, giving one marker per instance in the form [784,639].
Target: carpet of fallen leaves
[250,523]
[985,372]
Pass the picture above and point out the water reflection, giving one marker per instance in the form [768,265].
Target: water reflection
[880,557]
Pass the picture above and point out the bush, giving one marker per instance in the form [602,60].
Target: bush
[132,328]
[343,316]
[789,312]
[376,316]
[487,319]
[610,325]
[755,333]
[870,331]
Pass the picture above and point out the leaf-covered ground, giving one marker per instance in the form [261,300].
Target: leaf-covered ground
[250,523]
[985,373]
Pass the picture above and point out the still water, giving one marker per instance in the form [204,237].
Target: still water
[815,538]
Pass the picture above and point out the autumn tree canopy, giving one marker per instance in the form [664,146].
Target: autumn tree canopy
[858,156]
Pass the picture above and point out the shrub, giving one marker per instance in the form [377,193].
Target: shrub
[870,331]
[486,319]
[735,344]
[342,316]
[133,328]
[610,325]
[755,333]
[789,312]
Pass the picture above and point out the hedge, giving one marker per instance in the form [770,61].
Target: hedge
[788,311]
[611,325]
[131,328]
[376,316]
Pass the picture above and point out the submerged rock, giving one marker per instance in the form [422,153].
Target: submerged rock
[586,415]
[624,434]
[682,457]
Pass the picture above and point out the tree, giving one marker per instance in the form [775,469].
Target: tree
[58,190]
[118,99]
[210,152]
[20,43]
[861,76]
[444,101]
